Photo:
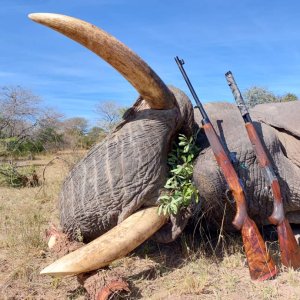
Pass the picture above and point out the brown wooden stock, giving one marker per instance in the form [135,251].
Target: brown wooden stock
[261,265]
[277,215]
[290,252]
[229,174]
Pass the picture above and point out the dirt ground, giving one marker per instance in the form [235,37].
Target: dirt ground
[189,268]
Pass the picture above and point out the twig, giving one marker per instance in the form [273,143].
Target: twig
[221,229]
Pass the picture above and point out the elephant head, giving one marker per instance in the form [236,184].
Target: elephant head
[125,171]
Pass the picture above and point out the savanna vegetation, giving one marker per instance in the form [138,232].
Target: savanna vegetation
[39,146]
[28,128]
[258,95]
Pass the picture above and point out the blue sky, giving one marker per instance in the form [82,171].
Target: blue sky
[259,41]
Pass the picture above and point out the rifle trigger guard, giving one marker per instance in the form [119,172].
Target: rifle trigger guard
[270,193]
[229,197]
[268,190]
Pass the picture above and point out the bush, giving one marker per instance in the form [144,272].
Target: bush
[15,147]
[49,139]
[11,175]
[257,95]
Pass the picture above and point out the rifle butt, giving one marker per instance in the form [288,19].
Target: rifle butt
[289,249]
[260,263]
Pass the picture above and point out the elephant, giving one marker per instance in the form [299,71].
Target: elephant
[128,169]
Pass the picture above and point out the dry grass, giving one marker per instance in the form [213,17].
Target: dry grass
[25,214]
[190,268]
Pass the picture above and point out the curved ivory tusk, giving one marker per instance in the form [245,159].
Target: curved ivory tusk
[130,65]
[110,246]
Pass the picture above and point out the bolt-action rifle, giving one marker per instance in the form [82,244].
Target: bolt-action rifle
[290,252]
[261,265]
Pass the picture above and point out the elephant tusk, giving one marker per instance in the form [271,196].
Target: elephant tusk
[114,244]
[131,66]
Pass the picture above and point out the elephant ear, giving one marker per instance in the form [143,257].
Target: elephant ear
[285,118]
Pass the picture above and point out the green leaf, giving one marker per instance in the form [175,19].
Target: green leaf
[186,149]
[190,157]
[164,197]
[179,185]
[160,209]
[174,208]
[165,210]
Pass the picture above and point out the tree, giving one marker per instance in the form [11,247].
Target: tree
[48,131]
[25,126]
[73,130]
[18,118]
[110,114]
[288,97]
[76,125]
[257,95]
[19,111]
[94,135]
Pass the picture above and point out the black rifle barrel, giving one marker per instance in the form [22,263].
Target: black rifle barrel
[180,63]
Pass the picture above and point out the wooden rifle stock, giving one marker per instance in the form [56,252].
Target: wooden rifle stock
[261,265]
[290,251]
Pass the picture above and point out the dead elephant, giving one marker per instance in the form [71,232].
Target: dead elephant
[126,171]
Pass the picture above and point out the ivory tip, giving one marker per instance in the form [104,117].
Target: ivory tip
[65,266]
[46,270]
[49,270]
[38,17]
[34,16]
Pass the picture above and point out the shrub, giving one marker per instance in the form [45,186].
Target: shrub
[11,175]
[15,147]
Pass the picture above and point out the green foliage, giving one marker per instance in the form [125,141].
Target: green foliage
[288,97]
[179,187]
[49,138]
[16,147]
[257,95]
[94,135]
[12,176]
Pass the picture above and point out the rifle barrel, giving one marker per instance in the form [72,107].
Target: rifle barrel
[180,63]
[238,97]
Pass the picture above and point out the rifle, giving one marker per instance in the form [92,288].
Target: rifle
[261,265]
[290,252]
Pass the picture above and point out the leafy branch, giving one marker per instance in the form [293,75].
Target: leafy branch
[13,176]
[179,188]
